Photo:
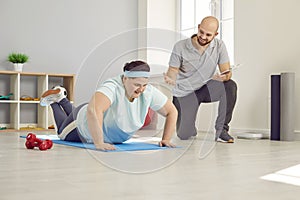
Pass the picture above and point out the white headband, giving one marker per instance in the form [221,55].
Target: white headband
[133,74]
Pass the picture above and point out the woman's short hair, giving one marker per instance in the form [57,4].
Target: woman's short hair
[137,65]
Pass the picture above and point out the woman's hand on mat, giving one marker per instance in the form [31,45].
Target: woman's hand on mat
[166,143]
[105,146]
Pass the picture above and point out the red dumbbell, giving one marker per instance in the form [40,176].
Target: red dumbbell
[46,144]
[32,141]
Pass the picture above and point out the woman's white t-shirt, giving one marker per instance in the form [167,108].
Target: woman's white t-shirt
[123,118]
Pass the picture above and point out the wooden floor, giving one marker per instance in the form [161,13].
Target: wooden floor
[199,169]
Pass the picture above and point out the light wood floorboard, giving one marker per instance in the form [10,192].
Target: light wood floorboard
[228,171]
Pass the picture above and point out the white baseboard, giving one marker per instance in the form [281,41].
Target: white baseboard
[245,131]
[266,132]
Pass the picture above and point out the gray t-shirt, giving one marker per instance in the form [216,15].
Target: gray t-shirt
[198,68]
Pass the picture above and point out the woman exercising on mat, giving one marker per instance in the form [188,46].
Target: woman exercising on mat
[115,112]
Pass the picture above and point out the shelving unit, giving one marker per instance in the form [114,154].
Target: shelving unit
[16,113]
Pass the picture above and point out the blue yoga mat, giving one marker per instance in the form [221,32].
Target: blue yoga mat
[130,146]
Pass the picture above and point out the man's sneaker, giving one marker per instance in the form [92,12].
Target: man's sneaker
[56,94]
[223,136]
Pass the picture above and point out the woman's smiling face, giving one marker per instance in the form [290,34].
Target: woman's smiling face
[134,87]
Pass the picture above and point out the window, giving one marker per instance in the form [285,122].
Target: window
[193,11]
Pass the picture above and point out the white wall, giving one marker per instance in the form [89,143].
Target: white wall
[266,42]
[159,19]
[58,35]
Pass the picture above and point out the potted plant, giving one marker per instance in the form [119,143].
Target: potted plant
[18,59]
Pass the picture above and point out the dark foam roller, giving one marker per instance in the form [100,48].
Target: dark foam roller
[275,107]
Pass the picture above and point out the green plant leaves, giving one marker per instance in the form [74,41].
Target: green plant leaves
[17,58]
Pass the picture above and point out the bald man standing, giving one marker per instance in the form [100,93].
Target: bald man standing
[199,69]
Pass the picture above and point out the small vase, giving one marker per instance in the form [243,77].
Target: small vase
[18,67]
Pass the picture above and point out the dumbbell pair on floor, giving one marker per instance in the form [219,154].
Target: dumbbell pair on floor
[32,141]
